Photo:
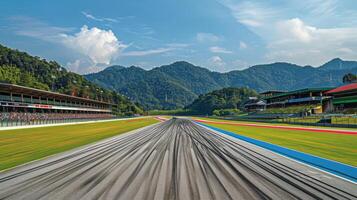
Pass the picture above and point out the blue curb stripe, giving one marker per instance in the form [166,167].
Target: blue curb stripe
[339,169]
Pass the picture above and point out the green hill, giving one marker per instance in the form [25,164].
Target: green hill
[178,84]
[153,89]
[23,69]
[223,99]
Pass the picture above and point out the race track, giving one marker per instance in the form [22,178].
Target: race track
[176,159]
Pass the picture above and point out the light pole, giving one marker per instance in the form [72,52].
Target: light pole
[74,88]
[321,103]
[53,82]
[87,91]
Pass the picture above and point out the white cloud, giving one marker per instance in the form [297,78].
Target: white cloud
[99,19]
[216,61]
[240,64]
[345,50]
[242,45]
[31,27]
[250,13]
[143,64]
[297,29]
[93,48]
[178,45]
[84,66]
[74,66]
[300,43]
[216,49]
[207,37]
[101,46]
[325,30]
[321,7]
[147,52]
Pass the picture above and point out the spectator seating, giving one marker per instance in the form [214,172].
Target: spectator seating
[30,118]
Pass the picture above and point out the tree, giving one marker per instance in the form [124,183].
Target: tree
[349,78]
[226,101]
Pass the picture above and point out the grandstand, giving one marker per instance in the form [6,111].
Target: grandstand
[257,105]
[302,97]
[260,104]
[301,102]
[271,93]
[295,109]
[344,99]
[310,106]
[21,105]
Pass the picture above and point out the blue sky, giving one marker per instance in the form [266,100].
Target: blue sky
[222,35]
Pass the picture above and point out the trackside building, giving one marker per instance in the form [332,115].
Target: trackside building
[271,93]
[24,103]
[307,96]
[344,99]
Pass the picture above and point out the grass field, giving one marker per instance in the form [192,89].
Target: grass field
[24,145]
[334,120]
[268,123]
[166,117]
[338,147]
[344,120]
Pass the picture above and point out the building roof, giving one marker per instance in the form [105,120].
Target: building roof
[301,91]
[344,88]
[5,87]
[259,103]
[272,91]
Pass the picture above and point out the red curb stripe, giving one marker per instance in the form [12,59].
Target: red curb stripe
[161,119]
[283,127]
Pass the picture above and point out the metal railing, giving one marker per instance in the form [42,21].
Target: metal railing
[335,120]
[13,123]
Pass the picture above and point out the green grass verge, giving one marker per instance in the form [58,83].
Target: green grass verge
[165,116]
[269,123]
[334,120]
[338,147]
[24,145]
[344,120]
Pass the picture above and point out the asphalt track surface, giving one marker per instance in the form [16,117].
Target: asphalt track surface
[176,159]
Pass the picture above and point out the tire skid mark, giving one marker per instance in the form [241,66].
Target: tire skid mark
[175,159]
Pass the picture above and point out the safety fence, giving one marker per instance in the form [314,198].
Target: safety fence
[11,123]
[8,119]
[343,121]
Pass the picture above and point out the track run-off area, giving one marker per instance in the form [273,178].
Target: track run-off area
[319,130]
[175,159]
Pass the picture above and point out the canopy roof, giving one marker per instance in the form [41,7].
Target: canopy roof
[17,89]
[344,88]
[272,91]
[301,91]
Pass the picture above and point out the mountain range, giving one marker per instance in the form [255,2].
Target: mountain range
[178,84]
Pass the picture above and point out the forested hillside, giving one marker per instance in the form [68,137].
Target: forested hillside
[153,89]
[224,99]
[178,84]
[20,68]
